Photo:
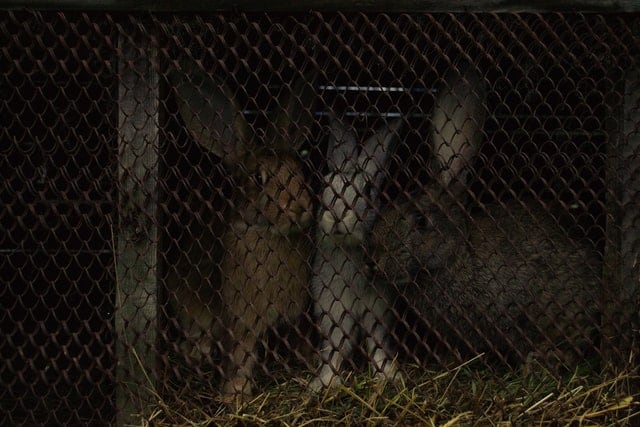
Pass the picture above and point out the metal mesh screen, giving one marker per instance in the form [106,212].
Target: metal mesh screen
[234,201]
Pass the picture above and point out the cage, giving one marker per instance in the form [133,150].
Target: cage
[203,206]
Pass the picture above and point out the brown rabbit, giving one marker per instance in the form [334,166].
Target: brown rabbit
[264,270]
[508,279]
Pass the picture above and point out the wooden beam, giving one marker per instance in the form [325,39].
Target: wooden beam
[620,320]
[609,6]
[630,219]
[137,239]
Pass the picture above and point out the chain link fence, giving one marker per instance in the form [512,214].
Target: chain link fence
[217,203]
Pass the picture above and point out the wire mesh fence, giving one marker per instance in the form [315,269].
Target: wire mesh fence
[212,204]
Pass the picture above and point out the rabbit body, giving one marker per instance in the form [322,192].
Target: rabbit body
[194,296]
[265,266]
[508,278]
[345,303]
[512,283]
[265,270]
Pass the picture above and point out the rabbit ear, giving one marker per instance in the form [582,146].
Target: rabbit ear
[294,115]
[210,112]
[342,149]
[456,126]
[378,148]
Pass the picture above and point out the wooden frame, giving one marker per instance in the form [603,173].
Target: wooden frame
[609,6]
[136,319]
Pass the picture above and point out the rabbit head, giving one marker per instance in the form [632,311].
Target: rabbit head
[351,188]
[277,195]
[270,187]
[426,231]
[392,245]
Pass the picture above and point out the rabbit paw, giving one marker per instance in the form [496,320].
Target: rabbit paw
[390,374]
[236,390]
[325,381]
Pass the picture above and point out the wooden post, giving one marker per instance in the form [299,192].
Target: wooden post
[137,239]
[630,221]
[622,271]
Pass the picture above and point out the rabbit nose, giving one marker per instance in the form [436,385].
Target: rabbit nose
[304,202]
[294,208]
[299,214]
[297,204]
[349,220]
[327,222]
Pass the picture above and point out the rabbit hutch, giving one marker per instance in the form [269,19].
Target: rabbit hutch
[395,213]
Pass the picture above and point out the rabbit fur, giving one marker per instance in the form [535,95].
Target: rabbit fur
[509,279]
[265,266]
[345,303]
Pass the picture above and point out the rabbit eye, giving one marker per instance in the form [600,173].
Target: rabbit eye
[369,190]
[423,221]
[260,178]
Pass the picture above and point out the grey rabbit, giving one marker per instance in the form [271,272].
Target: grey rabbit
[345,303]
[508,278]
[265,267]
